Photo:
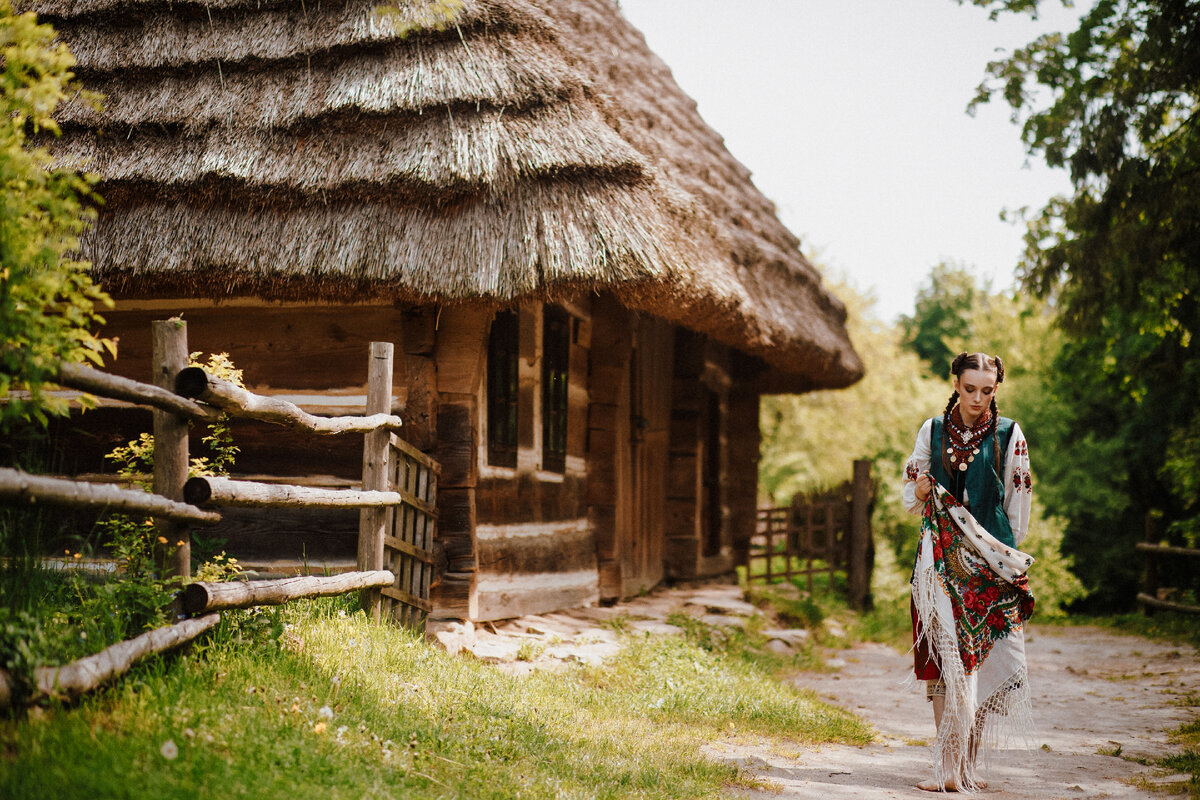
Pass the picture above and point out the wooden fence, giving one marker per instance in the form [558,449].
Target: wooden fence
[827,533]
[1149,596]
[397,500]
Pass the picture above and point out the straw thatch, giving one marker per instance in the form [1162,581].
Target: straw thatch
[323,150]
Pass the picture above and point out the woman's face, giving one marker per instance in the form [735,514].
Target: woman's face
[975,389]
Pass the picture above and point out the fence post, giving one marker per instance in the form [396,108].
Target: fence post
[170,354]
[373,521]
[858,565]
[1150,571]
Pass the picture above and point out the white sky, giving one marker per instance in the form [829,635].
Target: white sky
[851,115]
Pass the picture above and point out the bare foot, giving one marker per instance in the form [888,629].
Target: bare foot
[933,786]
[951,786]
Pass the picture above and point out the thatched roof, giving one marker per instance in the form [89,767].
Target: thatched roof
[321,150]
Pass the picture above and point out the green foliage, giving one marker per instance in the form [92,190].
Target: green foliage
[942,312]
[47,299]
[1117,103]
[810,441]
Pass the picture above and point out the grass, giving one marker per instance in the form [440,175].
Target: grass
[335,706]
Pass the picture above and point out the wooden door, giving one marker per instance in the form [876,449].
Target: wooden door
[650,420]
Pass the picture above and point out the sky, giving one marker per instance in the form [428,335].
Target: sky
[851,115]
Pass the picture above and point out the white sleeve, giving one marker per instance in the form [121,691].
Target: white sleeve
[1018,484]
[917,465]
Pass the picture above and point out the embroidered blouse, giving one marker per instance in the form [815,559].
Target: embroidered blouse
[1018,482]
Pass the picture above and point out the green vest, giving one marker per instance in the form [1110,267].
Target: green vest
[981,480]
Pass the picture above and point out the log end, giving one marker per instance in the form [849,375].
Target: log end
[191,382]
[196,491]
[195,598]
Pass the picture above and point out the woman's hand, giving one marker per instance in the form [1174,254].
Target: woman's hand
[924,486]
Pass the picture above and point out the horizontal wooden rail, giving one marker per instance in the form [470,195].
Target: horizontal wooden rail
[229,492]
[1166,550]
[86,379]
[25,488]
[1167,605]
[194,382]
[206,596]
[88,673]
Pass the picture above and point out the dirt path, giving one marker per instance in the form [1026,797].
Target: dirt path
[1099,699]
[1094,692]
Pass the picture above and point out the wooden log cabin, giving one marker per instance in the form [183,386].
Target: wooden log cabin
[588,292]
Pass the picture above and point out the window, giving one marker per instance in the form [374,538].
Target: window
[502,390]
[556,355]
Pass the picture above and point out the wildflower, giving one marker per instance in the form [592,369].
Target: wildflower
[78,555]
[319,728]
[189,733]
[169,750]
[162,540]
[325,712]
[179,543]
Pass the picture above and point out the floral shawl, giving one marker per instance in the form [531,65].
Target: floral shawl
[972,600]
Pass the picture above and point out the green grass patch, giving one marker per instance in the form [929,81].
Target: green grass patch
[311,701]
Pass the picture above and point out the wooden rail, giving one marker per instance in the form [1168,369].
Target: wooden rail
[202,597]
[25,488]
[94,381]
[88,673]
[219,491]
[1148,597]
[196,383]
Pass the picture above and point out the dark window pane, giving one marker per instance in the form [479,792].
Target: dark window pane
[556,354]
[502,390]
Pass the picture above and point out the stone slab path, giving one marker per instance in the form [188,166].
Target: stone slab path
[1100,699]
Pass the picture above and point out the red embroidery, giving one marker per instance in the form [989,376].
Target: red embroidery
[911,471]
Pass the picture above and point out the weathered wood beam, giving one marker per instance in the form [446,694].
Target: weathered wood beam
[217,491]
[1149,547]
[194,382]
[173,547]
[23,487]
[94,381]
[1154,602]
[88,673]
[204,596]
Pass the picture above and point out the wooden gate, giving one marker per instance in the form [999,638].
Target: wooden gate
[409,537]
[822,533]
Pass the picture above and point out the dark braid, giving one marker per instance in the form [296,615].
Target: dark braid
[946,424]
[996,418]
[956,369]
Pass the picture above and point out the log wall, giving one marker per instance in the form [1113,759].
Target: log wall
[699,515]
[608,464]
[535,548]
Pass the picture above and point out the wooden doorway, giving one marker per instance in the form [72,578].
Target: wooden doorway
[643,544]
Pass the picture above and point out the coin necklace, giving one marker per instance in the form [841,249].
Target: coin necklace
[964,440]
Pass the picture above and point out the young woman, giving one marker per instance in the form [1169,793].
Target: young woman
[969,478]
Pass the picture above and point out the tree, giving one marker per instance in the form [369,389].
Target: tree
[810,441]
[941,311]
[47,298]
[1120,259]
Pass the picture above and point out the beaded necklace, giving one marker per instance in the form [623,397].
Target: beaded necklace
[963,440]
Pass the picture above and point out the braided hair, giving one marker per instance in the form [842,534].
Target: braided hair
[985,363]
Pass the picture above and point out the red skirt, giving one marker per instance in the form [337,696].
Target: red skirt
[924,665]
